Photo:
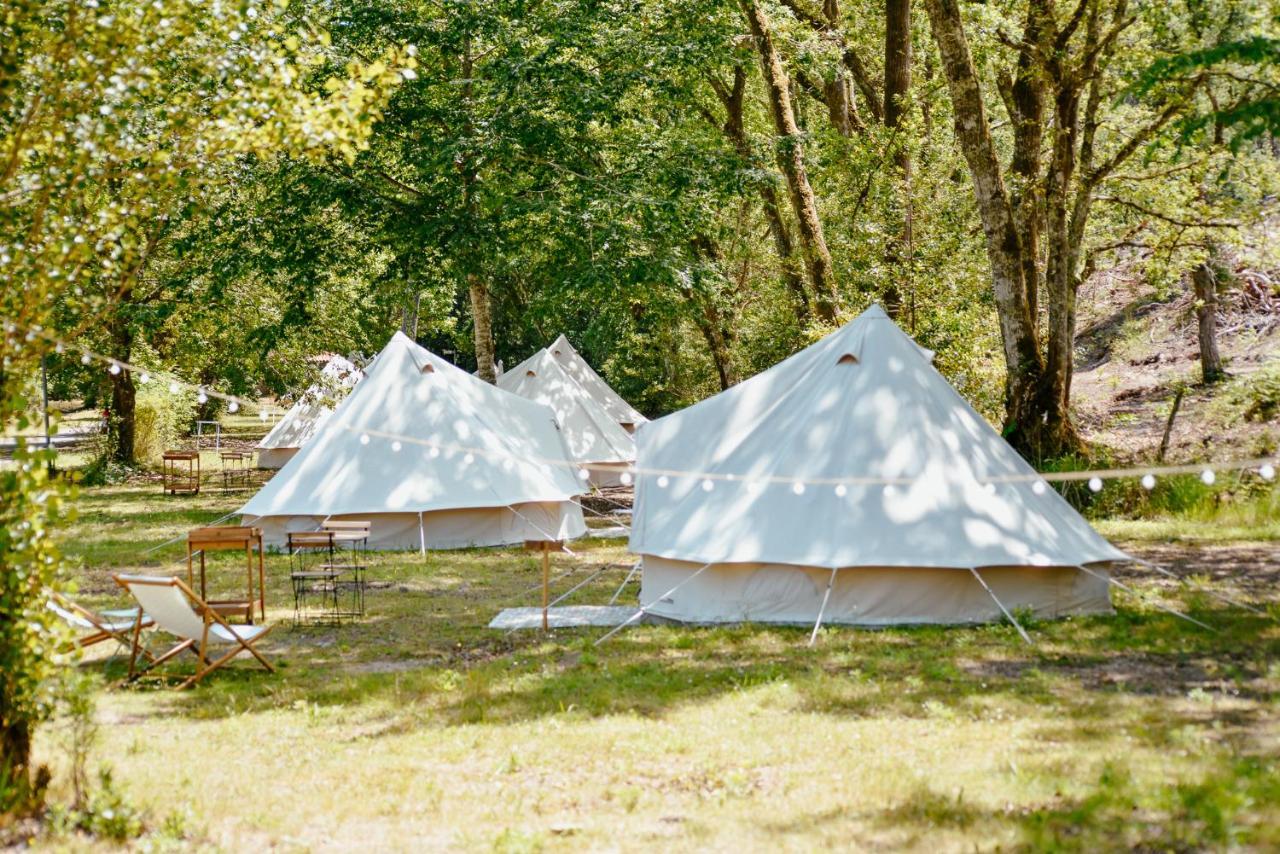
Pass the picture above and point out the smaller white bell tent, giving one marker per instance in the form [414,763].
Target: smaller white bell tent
[619,410]
[592,436]
[433,457]
[851,484]
[302,420]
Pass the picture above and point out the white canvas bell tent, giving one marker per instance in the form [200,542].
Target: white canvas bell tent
[852,484]
[433,457]
[619,410]
[302,420]
[592,436]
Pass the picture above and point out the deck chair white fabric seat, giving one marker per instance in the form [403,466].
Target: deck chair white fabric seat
[113,624]
[177,610]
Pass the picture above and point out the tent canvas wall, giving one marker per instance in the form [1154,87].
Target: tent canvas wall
[853,467]
[302,420]
[591,434]
[619,410]
[433,457]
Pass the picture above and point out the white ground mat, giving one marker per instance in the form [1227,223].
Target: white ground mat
[563,617]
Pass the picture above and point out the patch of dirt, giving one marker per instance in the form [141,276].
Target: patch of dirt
[1135,347]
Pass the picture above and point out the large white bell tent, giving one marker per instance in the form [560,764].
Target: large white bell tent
[433,457]
[591,434]
[852,484]
[302,420]
[619,410]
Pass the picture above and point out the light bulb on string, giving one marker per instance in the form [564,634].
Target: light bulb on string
[841,490]
[144,378]
[663,480]
[1039,487]
[396,446]
[707,485]
[114,370]
[1207,477]
[86,359]
[1095,484]
[433,453]
[173,388]
[469,459]
[797,488]
[364,438]
[59,348]
[625,478]
[1267,471]
[262,416]
[1148,482]
[201,397]
[583,474]
[233,406]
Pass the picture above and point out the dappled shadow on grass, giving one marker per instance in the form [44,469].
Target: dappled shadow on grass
[1120,813]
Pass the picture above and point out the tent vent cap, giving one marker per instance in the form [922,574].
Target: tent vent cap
[530,374]
[847,359]
[428,368]
[555,352]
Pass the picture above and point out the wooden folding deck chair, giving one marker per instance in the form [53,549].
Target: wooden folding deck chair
[170,603]
[118,625]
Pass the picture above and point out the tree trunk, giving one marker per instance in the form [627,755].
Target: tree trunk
[123,393]
[481,315]
[15,760]
[1004,249]
[897,87]
[790,150]
[1206,285]
[734,129]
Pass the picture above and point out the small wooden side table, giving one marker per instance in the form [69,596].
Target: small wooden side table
[229,538]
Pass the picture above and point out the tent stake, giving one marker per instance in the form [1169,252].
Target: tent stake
[643,610]
[813,636]
[625,582]
[1026,637]
[1157,605]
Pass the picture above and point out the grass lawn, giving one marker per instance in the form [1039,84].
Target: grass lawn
[419,727]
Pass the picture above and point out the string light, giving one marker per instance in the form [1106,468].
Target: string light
[469,459]
[707,485]
[364,438]
[396,446]
[583,474]
[1265,468]
[262,416]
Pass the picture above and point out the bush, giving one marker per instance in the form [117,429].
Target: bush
[160,420]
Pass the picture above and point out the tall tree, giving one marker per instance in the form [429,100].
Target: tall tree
[897,89]
[1061,63]
[791,161]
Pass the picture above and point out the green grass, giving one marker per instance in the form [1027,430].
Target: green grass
[418,727]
